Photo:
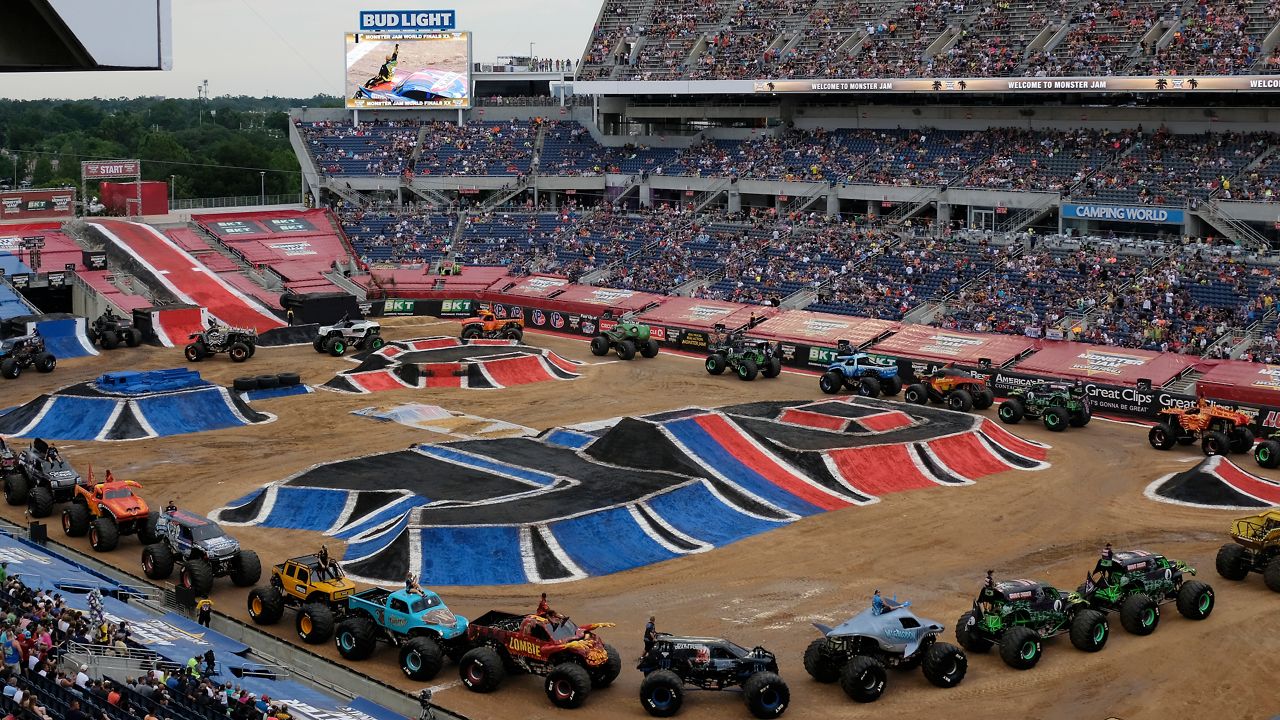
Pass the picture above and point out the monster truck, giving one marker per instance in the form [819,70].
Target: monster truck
[746,358]
[626,337]
[43,478]
[336,338]
[489,326]
[418,623]
[857,651]
[959,390]
[862,373]
[108,510]
[711,664]
[20,353]
[1220,431]
[1256,549]
[8,461]
[1136,582]
[203,549]
[318,593]
[1018,615]
[238,343]
[109,330]
[1056,404]
[572,658]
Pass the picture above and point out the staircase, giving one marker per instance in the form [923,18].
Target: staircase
[1238,231]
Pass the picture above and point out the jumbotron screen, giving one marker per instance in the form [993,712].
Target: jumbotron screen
[409,70]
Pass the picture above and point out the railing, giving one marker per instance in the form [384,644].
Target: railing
[1244,234]
[236,201]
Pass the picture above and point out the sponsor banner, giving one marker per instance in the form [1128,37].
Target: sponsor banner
[235,227]
[20,280]
[399,306]
[1143,84]
[98,169]
[1123,213]
[32,204]
[293,249]
[94,260]
[289,225]
[464,308]
[56,279]
[693,340]
[408,20]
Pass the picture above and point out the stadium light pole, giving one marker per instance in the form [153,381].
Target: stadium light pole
[262,175]
[172,179]
[531,57]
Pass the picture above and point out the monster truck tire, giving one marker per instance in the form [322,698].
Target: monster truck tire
[891,385]
[863,679]
[246,568]
[818,665]
[1011,411]
[1271,575]
[1231,563]
[318,344]
[661,693]
[197,576]
[375,343]
[104,535]
[253,348]
[133,337]
[470,332]
[514,333]
[602,676]
[157,561]
[46,362]
[831,382]
[289,379]
[772,368]
[766,695]
[420,658]
[1021,647]
[265,605]
[1089,630]
[245,384]
[626,350]
[917,394]
[1161,436]
[40,502]
[599,346]
[1267,454]
[194,352]
[481,669]
[16,489]
[10,368]
[567,685]
[266,382]
[92,334]
[945,665]
[109,340]
[716,364]
[869,387]
[968,640]
[239,352]
[960,400]
[1082,418]
[1056,419]
[649,349]
[747,370]
[335,346]
[147,533]
[355,638]
[1195,600]
[983,399]
[1241,440]
[1139,615]
[1215,443]
[75,520]
[314,623]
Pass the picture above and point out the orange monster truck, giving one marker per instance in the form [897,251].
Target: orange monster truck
[106,511]
[1220,430]
[958,389]
[489,326]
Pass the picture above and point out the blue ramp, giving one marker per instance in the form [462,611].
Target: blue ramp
[382,515]
[305,508]
[68,417]
[368,547]
[448,454]
[711,453]
[188,412]
[569,439]
[471,556]
[607,542]
[696,512]
[65,338]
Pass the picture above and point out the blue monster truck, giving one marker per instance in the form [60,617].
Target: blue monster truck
[867,375]
[419,624]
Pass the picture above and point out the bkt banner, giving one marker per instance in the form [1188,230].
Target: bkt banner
[1117,213]
[407,20]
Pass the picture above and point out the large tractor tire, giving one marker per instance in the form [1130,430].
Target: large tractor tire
[716,364]
[1267,454]
[917,394]
[567,685]
[960,400]
[10,368]
[355,638]
[1215,443]
[318,344]
[1161,436]
[421,659]
[46,362]
[863,679]
[314,623]
[1089,630]
[17,490]
[1241,440]
[266,605]
[1021,647]
[772,368]
[133,337]
[1056,419]
[967,639]
[1011,411]
[602,676]
[831,382]
[1271,575]
[869,387]
[766,695]
[747,370]
[40,502]
[599,346]
[1139,614]
[239,352]
[662,693]
[891,385]
[195,352]
[76,519]
[335,346]
[147,533]
[471,332]
[983,398]
[1081,418]
[157,561]
[197,576]
[626,350]
[1195,600]
[104,534]
[818,665]
[246,569]
[1231,562]
[109,340]
[481,669]
[945,665]
[649,348]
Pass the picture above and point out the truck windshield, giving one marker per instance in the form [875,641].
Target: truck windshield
[117,493]
[205,532]
[423,604]
[565,630]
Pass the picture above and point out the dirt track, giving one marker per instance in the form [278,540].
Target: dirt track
[931,546]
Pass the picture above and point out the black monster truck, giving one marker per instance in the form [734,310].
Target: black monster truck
[109,330]
[711,664]
[19,353]
[43,479]
[1018,615]
[238,343]
[746,358]
[1136,582]
[202,548]
[1056,404]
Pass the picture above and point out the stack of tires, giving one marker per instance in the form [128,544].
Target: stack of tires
[266,382]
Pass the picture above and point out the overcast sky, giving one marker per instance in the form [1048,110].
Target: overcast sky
[294,48]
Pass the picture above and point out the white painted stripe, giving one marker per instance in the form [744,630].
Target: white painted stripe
[527,558]
[111,420]
[990,444]
[787,515]
[347,508]
[924,446]
[782,465]
[482,464]
[647,528]
[840,478]
[395,523]
[35,421]
[142,420]
[575,572]
[159,330]
[83,338]
[415,548]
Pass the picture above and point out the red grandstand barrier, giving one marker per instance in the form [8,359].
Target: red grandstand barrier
[1118,366]
[1240,381]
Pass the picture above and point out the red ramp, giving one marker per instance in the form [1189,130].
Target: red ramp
[764,463]
[174,326]
[885,421]
[879,469]
[516,371]
[965,455]
[185,277]
[1252,485]
[812,419]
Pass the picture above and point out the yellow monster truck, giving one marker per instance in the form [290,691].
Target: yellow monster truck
[317,592]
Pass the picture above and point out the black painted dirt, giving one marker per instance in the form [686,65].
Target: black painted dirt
[1202,488]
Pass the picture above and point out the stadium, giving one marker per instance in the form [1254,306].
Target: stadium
[725,338]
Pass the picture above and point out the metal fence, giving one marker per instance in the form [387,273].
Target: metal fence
[236,201]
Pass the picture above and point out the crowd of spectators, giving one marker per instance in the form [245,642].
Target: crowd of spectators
[379,148]
[1212,40]
[478,148]
[402,236]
